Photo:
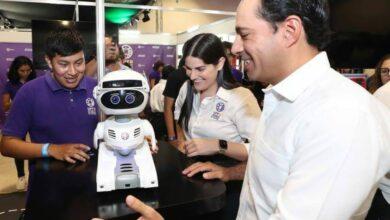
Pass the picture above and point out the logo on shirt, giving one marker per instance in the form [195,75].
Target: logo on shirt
[90,102]
[216,115]
[220,107]
[91,106]
[128,51]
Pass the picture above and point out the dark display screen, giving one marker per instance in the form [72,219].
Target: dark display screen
[122,83]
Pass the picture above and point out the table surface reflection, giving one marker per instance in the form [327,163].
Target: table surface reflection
[68,191]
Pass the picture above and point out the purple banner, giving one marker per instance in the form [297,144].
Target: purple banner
[142,57]
[8,51]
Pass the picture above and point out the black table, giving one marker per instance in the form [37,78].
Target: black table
[65,191]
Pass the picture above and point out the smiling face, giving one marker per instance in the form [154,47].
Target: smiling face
[68,71]
[257,43]
[204,76]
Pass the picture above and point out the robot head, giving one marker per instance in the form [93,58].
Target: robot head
[122,92]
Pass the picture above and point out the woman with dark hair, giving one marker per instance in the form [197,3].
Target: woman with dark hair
[211,106]
[381,75]
[217,116]
[20,72]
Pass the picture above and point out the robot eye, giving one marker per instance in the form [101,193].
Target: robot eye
[115,99]
[129,98]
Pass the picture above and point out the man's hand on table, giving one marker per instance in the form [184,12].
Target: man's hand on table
[210,171]
[147,212]
[69,152]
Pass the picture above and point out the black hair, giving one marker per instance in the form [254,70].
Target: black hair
[375,81]
[181,62]
[157,65]
[168,69]
[114,38]
[63,42]
[209,49]
[19,61]
[227,45]
[313,13]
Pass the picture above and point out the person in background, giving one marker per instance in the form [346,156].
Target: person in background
[379,79]
[113,58]
[231,58]
[174,82]
[157,103]
[155,75]
[380,208]
[217,116]
[57,110]
[20,72]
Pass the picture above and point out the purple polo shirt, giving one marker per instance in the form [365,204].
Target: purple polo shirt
[53,114]
[155,75]
[12,88]
[237,74]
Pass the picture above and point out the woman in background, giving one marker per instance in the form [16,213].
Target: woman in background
[155,75]
[20,72]
[381,77]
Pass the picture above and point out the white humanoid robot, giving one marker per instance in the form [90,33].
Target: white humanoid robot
[124,160]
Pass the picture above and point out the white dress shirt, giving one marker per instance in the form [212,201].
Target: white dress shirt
[383,94]
[157,97]
[230,115]
[321,147]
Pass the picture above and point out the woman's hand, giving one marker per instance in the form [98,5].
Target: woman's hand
[199,146]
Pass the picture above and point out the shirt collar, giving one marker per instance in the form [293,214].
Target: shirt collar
[292,86]
[55,86]
[223,94]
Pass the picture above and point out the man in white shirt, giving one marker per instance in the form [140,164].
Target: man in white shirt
[322,143]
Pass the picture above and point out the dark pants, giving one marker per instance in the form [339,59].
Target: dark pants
[19,167]
[380,209]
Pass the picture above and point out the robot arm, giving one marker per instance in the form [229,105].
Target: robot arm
[148,131]
[98,134]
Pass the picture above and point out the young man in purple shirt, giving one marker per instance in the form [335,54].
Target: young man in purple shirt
[57,110]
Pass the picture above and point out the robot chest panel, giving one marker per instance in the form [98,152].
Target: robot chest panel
[125,134]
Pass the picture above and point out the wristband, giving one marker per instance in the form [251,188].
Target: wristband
[172,138]
[223,146]
[44,150]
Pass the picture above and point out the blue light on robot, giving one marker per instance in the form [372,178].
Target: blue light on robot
[115,99]
[129,98]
